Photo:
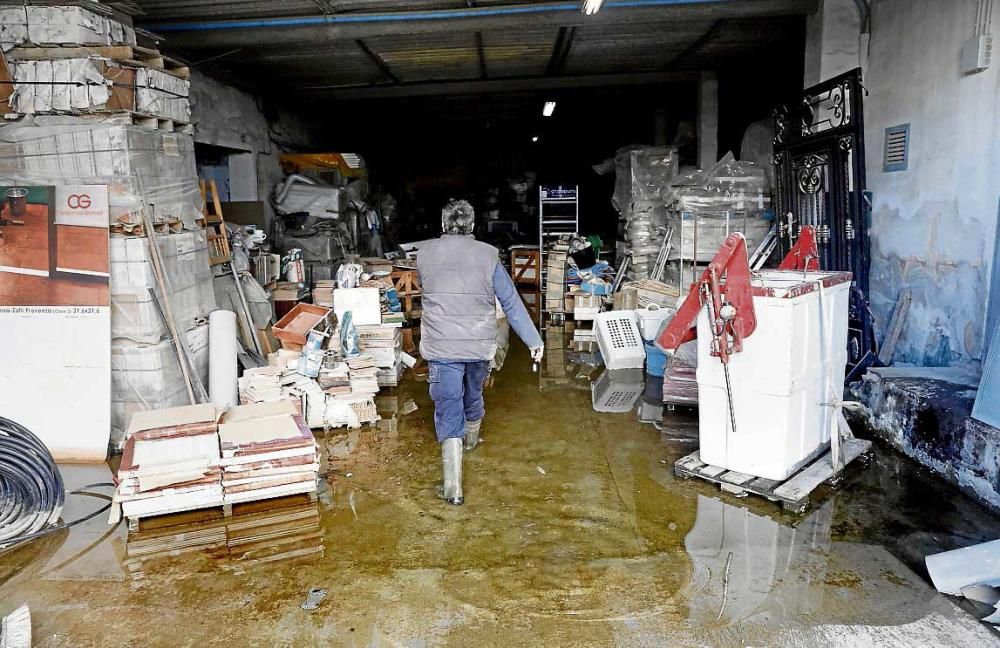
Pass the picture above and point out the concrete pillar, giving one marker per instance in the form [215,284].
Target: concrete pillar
[833,40]
[660,126]
[708,119]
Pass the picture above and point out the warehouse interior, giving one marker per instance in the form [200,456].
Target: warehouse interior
[735,331]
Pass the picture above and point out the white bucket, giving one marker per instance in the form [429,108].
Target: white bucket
[652,319]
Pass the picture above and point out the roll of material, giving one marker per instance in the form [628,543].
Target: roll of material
[31,487]
[222,360]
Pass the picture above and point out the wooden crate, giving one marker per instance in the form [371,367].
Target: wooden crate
[526,267]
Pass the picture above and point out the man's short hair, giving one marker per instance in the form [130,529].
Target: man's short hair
[458,217]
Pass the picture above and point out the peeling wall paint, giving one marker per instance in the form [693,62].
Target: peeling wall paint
[226,116]
[934,224]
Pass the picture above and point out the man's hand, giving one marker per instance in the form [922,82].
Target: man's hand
[537,353]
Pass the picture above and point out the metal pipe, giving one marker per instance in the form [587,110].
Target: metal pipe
[407,16]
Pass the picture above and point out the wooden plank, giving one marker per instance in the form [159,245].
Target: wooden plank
[800,485]
[118,53]
[736,478]
[762,485]
[895,326]
[712,472]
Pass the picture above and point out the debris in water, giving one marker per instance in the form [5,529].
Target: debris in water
[408,407]
[314,598]
[541,470]
[725,585]
[350,500]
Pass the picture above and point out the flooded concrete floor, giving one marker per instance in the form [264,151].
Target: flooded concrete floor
[574,533]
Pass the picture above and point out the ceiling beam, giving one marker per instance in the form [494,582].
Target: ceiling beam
[482,55]
[560,51]
[710,34]
[491,86]
[378,61]
[193,35]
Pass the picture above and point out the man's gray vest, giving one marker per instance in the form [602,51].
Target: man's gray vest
[459,320]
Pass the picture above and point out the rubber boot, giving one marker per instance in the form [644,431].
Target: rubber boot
[472,434]
[451,463]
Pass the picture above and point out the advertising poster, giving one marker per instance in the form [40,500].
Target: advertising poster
[55,316]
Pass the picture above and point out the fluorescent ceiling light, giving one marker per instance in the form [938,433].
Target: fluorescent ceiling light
[534,138]
[590,7]
[550,107]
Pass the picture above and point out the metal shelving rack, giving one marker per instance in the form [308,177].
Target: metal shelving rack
[558,213]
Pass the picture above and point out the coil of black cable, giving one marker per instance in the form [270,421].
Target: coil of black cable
[31,488]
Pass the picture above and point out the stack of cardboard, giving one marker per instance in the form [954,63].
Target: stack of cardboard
[170,462]
[267,451]
[323,292]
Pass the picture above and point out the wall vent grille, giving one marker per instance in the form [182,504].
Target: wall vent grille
[897,148]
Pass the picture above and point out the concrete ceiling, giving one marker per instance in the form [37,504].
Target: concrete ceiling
[341,50]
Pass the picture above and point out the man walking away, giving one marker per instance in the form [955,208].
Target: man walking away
[462,280]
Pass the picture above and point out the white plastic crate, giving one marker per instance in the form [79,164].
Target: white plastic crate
[619,340]
[617,390]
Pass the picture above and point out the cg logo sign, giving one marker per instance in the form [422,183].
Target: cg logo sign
[78,201]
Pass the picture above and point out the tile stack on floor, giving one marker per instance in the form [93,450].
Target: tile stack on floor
[170,462]
[267,451]
[122,133]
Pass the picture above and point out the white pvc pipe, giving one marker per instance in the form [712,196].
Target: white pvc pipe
[222,359]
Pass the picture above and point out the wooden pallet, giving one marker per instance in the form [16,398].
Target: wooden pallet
[131,55]
[793,493]
[143,120]
[226,509]
[138,230]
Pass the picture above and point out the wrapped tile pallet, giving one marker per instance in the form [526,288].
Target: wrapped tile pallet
[88,105]
[642,174]
[72,60]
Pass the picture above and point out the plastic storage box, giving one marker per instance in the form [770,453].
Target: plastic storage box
[619,340]
[789,371]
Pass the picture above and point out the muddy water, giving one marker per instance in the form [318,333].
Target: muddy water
[574,533]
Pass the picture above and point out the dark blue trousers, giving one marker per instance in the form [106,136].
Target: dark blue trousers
[457,391]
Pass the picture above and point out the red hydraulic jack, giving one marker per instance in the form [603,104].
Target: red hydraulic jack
[725,289]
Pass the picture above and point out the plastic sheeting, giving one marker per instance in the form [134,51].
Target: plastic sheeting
[141,167]
[39,25]
[135,314]
[706,207]
[642,175]
[148,376]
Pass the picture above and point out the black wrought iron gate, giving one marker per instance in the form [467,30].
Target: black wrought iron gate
[819,158]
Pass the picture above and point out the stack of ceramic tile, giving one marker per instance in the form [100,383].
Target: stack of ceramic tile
[384,345]
[267,451]
[334,377]
[261,385]
[170,462]
[363,379]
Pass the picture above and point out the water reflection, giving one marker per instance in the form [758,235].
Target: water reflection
[739,557]
[258,532]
